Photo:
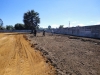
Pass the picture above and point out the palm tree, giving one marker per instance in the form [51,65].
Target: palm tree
[31,20]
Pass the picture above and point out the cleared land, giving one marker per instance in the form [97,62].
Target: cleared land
[18,58]
[70,55]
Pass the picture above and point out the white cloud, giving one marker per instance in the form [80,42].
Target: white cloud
[81,25]
[54,25]
[98,23]
[74,22]
[71,25]
[74,25]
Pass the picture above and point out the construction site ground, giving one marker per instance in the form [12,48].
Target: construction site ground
[70,55]
[17,57]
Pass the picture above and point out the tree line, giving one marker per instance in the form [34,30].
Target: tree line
[17,26]
[31,22]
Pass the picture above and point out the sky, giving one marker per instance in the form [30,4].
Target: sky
[52,12]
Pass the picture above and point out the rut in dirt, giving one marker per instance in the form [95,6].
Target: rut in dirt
[18,58]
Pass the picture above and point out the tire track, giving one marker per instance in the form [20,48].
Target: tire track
[18,58]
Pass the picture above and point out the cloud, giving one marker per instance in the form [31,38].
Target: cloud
[81,25]
[54,25]
[71,25]
[98,23]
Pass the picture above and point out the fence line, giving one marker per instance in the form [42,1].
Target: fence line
[86,31]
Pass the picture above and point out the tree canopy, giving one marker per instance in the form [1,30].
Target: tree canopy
[61,26]
[49,27]
[31,19]
[1,24]
[19,26]
[9,27]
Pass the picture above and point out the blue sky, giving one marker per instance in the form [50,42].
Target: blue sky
[52,12]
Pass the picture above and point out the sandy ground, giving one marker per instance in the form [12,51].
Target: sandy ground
[70,55]
[17,57]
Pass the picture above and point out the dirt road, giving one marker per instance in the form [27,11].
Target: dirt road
[18,58]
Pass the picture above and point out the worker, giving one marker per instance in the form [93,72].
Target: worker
[43,32]
[52,32]
[35,32]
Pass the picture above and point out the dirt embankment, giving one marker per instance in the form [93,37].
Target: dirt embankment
[18,58]
[68,54]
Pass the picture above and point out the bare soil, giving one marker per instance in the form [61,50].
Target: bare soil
[17,57]
[70,55]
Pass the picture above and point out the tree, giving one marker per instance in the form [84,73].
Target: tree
[1,24]
[9,27]
[61,26]
[37,27]
[31,20]
[49,27]
[19,26]
[2,28]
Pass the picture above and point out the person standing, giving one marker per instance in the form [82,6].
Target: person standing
[35,32]
[43,32]
[52,32]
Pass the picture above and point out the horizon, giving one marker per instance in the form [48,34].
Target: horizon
[53,13]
